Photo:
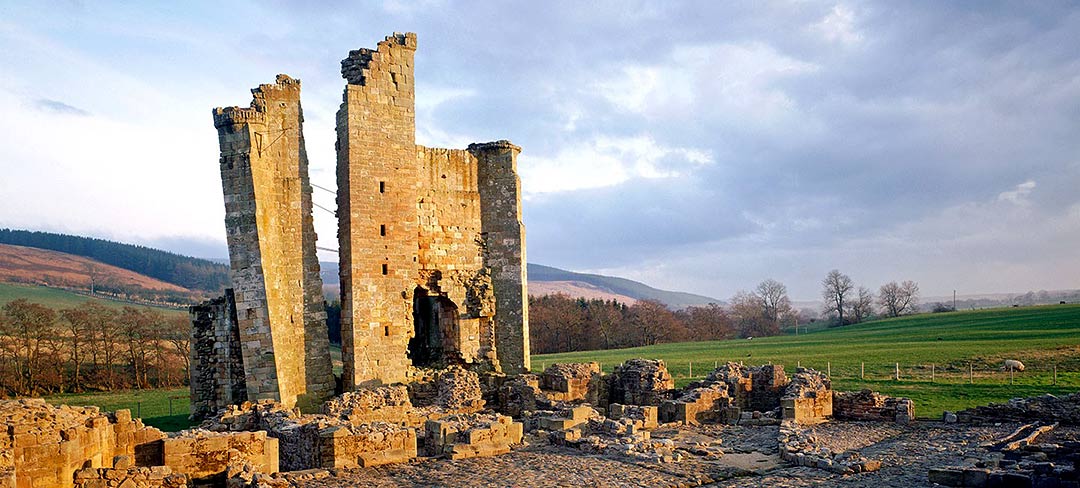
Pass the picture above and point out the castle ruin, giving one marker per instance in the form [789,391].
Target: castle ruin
[431,243]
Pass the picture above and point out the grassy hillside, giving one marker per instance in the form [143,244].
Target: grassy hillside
[56,298]
[187,272]
[619,286]
[942,345]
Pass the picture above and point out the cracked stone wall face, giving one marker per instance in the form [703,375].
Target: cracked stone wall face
[419,224]
[274,269]
[217,366]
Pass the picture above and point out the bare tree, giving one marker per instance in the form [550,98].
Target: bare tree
[707,323]
[861,307]
[899,299]
[835,289]
[656,323]
[178,333]
[774,300]
[79,326]
[30,325]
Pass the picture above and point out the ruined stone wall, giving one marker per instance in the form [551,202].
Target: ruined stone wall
[217,365]
[450,255]
[274,270]
[426,235]
[42,445]
[377,214]
[204,455]
[870,405]
[504,232]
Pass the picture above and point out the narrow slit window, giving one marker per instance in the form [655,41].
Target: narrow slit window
[382,230]
[382,187]
[385,269]
[386,331]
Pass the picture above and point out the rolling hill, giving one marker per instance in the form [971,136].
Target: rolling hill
[546,280]
[40,267]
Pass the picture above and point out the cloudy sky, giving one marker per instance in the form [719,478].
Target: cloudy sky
[698,146]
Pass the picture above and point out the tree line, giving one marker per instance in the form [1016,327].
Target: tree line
[560,323]
[188,272]
[89,347]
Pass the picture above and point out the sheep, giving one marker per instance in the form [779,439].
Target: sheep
[1012,364]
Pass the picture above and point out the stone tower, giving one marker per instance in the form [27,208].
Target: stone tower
[274,269]
[431,242]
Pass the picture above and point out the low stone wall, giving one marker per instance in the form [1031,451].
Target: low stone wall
[640,382]
[367,445]
[202,454]
[130,477]
[870,405]
[808,398]
[643,417]
[42,445]
[697,405]
[572,382]
[472,435]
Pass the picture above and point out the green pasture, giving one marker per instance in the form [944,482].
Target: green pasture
[937,355]
[57,298]
[166,409]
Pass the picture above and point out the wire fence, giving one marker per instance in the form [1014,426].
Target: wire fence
[899,372]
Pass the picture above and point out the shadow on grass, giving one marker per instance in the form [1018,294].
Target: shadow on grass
[169,423]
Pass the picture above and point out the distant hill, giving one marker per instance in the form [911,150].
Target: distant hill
[547,276]
[183,271]
[41,267]
[546,280]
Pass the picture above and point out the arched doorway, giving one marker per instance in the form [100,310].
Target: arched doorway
[433,321]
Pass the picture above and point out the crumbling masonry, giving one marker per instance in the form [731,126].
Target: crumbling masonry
[432,246]
[431,242]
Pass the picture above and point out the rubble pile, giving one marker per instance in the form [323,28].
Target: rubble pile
[1020,459]
[698,404]
[1064,409]
[801,448]
[459,391]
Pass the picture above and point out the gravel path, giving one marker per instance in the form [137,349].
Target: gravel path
[751,460]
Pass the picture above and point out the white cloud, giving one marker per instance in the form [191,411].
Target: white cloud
[708,79]
[1019,195]
[607,161]
[839,26]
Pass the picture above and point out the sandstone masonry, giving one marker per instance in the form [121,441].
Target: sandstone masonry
[431,241]
[279,310]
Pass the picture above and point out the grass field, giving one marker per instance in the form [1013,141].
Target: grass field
[866,355]
[859,356]
[165,409]
[57,298]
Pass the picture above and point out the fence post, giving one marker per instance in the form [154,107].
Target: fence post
[897,371]
[1010,374]
[170,406]
[971,374]
[862,370]
[691,370]
[828,370]
[138,410]
[715,364]
[1055,375]
[798,364]
[933,371]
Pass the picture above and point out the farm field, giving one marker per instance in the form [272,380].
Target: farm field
[166,409]
[57,298]
[936,354]
[941,345]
